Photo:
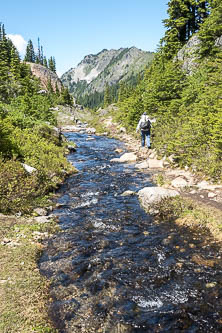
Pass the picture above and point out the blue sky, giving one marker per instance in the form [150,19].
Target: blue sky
[71,29]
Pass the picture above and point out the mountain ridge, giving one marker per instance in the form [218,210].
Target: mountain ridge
[110,67]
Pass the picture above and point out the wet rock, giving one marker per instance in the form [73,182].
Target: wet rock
[166,241]
[71,128]
[127,193]
[71,149]
[118,150]
[127,157]
[90,139]
[152,195]
[211,284]
[91,130]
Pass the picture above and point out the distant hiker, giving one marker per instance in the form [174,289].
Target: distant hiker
[144,125]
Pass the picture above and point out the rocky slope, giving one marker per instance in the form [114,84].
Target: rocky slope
[107,67]
[45,74]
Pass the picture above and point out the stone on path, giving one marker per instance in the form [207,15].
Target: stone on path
[142,165]
[153,195]
[155,163]
[179,182]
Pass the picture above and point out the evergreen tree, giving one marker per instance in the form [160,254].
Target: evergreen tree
[211,29]
[15,63]
[107,96]
[41,56]
[66,98]
[30,53]
[185,17]
[45,62]
[52,64]
[38,55]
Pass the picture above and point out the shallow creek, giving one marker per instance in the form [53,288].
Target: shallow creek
[112,268]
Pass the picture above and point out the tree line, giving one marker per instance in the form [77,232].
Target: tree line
[38,57]
[27,133]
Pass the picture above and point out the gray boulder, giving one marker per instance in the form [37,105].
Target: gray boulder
[152,195]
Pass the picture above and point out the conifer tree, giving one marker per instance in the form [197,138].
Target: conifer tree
[15,63]
[107,96]
[45,62]
[30,53]
[66,98]
[38,55]
[52,64]
[185,17]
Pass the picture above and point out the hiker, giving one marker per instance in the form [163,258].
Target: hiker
[144,125]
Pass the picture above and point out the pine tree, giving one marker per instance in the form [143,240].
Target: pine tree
[52,64]
[211,29]
[38,55]
[41,56]
[66,98]
[107,96]
[4,67]
[15,63]
[45,62]
[185,17]
[30,53]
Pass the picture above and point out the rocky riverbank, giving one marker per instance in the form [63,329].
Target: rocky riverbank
[192,188]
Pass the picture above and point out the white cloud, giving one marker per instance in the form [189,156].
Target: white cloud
[19,43]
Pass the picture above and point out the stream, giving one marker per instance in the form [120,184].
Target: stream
[112,268]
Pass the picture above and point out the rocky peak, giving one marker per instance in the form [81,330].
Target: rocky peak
[45,74]
[105,67]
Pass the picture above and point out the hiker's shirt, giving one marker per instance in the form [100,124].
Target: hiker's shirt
[143,118]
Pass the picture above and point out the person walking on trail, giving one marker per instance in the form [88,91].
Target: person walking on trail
[144,126]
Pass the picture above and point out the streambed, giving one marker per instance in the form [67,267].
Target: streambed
[112,268]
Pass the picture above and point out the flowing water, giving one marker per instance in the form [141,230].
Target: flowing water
[112,268]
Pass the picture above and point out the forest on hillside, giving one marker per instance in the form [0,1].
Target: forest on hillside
[187,106]
[27,133]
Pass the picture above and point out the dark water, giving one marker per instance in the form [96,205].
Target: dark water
[113,269]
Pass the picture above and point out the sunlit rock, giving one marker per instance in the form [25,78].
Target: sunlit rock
[152,195]
[142,165]
[155,163]
[128,157]
[127,193]
[28,168]
[179,182]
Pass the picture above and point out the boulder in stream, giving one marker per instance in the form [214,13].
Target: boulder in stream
[127,157]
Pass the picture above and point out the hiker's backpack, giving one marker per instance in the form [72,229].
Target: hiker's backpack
[145,125]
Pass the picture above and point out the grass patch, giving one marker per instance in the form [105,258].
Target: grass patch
[188,212]
[23,290]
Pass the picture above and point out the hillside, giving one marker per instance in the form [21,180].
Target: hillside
[182,91]
[108,67]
